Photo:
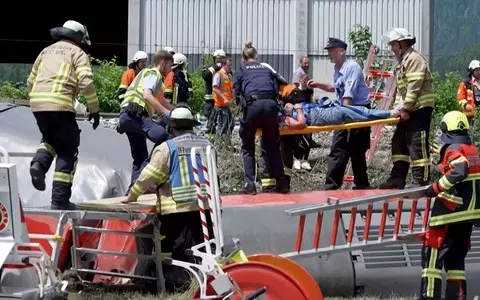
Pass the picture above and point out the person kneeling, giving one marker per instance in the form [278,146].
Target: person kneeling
[177,205]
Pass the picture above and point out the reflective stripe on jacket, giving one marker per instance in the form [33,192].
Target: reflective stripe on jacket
[414,81]
[458,198]
[465,95]
[134,92]
[60,72]
[226,88]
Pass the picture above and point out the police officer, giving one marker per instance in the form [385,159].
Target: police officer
[255,84]
[139,106]
[207,75]
[416,98]
[60,71]
[454,212]
[351,89]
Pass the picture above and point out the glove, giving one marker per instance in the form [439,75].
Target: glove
[430,192]
[96,119]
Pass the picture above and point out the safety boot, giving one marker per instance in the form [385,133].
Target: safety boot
[283,186]
[63,206]
[38,176]
[392,184]
[249,189]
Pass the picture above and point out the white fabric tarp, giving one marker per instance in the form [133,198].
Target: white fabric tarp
[103,169]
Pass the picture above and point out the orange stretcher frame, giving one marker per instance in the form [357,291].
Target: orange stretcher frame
[314,129]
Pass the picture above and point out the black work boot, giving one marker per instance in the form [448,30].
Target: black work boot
[63,206]
[283,186]
[38,176]
[392,184]
[268,189]
[249,189]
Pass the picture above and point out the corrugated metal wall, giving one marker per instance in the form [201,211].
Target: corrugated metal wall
[194,27]
[336,18]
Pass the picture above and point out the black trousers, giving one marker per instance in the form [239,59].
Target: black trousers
[348,144]
[60,141]
[287,146]
[208,113]
[301,146]
[451,257]
[181,231]
[261,114]
[410,144]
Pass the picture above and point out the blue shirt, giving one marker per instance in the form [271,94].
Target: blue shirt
[349,82]
[253,78]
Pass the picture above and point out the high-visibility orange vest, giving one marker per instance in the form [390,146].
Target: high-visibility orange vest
[226,88]
[466,95]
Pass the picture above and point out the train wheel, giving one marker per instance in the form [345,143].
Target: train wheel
[252,276]
[304,279]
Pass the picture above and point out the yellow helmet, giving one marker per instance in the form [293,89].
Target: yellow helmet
[453,121]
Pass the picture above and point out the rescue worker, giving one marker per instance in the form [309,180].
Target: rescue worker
[454,213]
[207,75]
[139,106]
[416,98]
[255,85]
[169,50]
[60,71]
[177,84]
[351,89]
[468,94]
[139,62]
[171,172]
[223,97]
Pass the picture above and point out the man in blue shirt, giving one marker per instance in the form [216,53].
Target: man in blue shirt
[349,85]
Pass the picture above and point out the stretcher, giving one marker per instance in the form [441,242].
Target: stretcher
[315,129]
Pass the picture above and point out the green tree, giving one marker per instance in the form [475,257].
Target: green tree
[361,39]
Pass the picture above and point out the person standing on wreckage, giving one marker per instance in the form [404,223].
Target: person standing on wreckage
[59,72]
[171,171]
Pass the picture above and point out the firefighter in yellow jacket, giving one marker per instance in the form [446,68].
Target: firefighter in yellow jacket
[58,74]
[170,170]
[417,99]
[455,211]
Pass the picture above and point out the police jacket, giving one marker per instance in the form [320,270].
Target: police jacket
[207,75]
[60,72]
[253,78]
[466,95]
[458,198]
[171,172]
[414,81]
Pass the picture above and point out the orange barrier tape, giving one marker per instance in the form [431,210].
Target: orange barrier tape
[314,129]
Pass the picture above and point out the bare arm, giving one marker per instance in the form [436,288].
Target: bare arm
[327,87]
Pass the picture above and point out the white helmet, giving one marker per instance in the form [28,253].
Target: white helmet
[140,55]
[474,64]
[169,49]
[77,27]
[400,34]
[219,53]
[179,59]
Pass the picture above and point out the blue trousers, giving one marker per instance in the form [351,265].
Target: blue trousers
[138,129]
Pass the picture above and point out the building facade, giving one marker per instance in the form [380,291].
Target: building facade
[281,30]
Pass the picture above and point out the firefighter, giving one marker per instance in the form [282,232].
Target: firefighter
[417,100]
[139,62]
[223,97]
[256,88]
[468,94]
[60,71]
[140,105]
[171,172]
[454,212]
[207,74]
[177,84]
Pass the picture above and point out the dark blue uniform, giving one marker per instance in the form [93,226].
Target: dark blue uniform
[256,84]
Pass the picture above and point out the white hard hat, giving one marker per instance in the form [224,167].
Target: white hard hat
[178,59]
[79,28]
[399,34]
[474,64]
[140,55]
[219,53]
[181,117]
[169,49]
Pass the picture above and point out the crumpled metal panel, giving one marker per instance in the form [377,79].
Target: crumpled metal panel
[104,166]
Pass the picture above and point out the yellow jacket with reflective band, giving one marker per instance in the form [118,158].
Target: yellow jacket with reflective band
[414,81]
[134,92]
[170,171]
[458,199]
[60,72]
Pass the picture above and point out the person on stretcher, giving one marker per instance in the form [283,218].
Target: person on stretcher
[330,112]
